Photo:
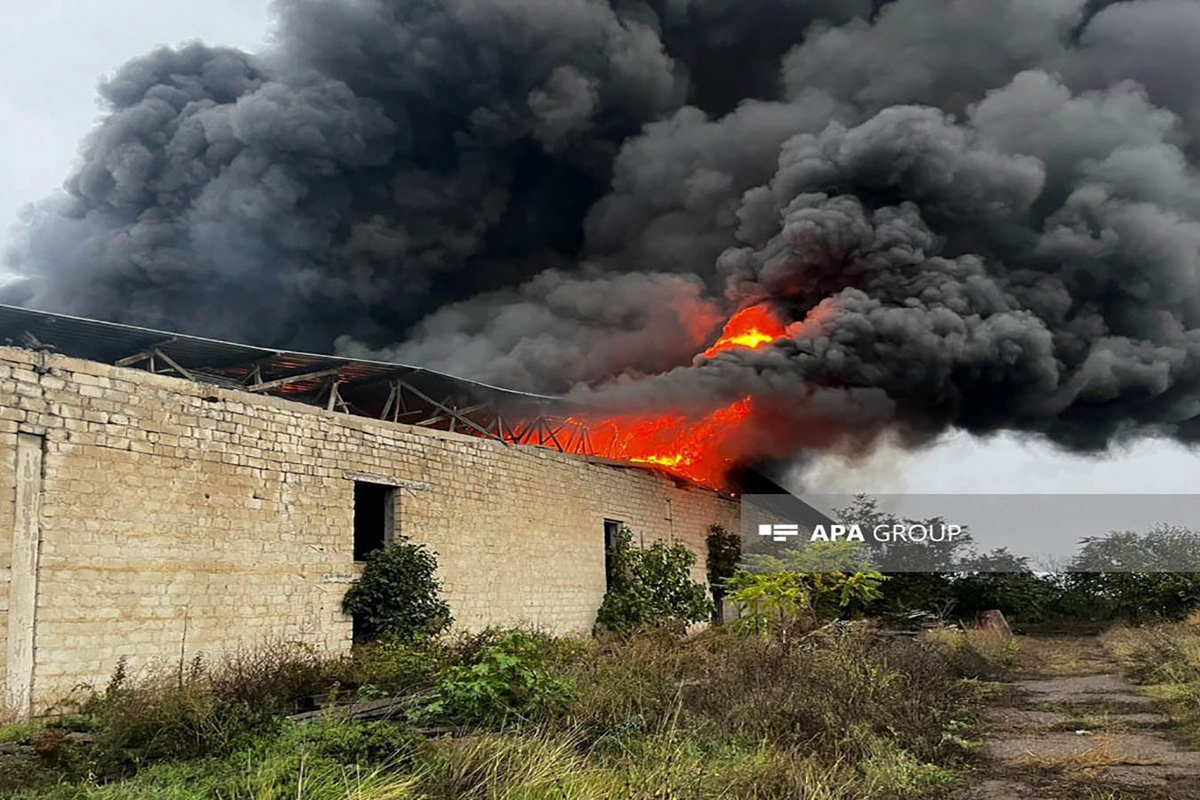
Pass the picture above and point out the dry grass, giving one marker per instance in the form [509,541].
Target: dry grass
[1054,659]
[1104,751]
[1160,654]
[833,699]
[988,647]
[1166,660]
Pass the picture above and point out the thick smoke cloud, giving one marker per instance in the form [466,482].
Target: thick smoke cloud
[560,330]
[983,215]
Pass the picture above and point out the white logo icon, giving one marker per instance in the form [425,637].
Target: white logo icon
[779,532]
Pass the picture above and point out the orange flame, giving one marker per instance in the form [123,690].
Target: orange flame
[700,450]
[753,327]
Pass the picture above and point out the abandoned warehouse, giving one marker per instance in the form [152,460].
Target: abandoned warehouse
[164,496]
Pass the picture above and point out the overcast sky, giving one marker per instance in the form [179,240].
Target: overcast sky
[53,52]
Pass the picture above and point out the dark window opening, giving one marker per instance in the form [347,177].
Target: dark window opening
[611,528]
[374,506]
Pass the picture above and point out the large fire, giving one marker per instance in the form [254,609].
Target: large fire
[701,450]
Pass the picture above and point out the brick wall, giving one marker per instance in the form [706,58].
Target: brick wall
[179,519]
[8,495]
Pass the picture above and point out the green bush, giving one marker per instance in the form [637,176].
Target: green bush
[1022,596]
[916,591]
[388,665]
[354,742]
[770,602]
[508,682]
[651,586]
[785,602]
[398,595]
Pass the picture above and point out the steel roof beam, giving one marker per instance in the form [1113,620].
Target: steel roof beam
[266,386]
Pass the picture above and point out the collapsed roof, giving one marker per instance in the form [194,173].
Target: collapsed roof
[381,390]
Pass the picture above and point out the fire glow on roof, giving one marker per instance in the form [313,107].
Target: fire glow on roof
[380,390]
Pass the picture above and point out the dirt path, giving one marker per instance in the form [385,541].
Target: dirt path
[1071,727]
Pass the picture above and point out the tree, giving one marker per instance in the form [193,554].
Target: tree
[1139,576]
[919,576]
[784,602]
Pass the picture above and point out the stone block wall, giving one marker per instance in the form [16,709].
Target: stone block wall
[173,519]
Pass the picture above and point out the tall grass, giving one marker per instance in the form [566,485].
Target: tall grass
[1166,659]
[1160,653]
[833,699]
[854,715]
[529,765]
[299,763]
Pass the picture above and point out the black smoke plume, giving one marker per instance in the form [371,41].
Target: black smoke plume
[978,214]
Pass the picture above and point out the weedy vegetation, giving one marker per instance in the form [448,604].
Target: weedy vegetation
[519,714]
[1165,659]
[804,696]
[786,708]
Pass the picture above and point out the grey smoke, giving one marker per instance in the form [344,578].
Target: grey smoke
[988,213]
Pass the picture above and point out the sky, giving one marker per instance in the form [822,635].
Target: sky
[1009,464]
[52,53]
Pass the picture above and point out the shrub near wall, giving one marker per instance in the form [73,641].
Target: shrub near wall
[398,595]
[651,586]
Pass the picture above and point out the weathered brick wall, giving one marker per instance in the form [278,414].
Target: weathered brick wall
[179,519]
[8,493]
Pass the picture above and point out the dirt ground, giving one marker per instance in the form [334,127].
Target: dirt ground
[1071,727]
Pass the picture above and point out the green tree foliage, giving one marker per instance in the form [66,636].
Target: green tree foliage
[1006,582]
[1123,574]
[952,576]
[810,557]
[771,602]
[398,595]
[1138,576]
[924,585]
[651,586]
[804,587]
[1022,596]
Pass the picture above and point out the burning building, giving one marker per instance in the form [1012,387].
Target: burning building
[713,231]
[164,496]
[947,214]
